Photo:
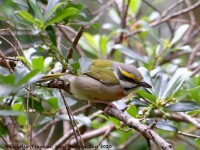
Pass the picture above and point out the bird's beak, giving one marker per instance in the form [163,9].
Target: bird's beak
[144,84]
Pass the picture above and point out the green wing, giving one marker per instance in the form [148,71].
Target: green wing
[102,70]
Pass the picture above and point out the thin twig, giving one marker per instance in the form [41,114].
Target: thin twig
[95,133]
[50,135]
[73,123]
[75,41]
[190,119]
[119,39]
[176,14]
[77,48]
[171,7]
[192,54]
[66,137]
[6,63]
[129,141]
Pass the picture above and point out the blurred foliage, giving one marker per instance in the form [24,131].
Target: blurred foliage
[39,34]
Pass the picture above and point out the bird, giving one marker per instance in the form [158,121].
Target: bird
[104,81]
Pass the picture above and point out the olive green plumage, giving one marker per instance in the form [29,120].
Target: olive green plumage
[104,81]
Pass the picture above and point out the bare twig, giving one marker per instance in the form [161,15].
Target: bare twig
[135,124]
[190,119]
[75,41]
[4,62]
[129,141]
[50,135]
[10,124]
[78,49]
[44,128]
[176,14]
[122,25]
[66,137]
[192,55]
[95,133]
[189,135]
[171,7]
[73,123]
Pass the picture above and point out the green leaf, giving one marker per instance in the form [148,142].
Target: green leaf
[38,63]
[30,78]
[35,9]
[20,107]
[52,6]
[179,33]
[134,6]
[130,53]
[90,39]
[164,125]
[147,77]
[8,80]
[132,110]
[87,47]
[183,106]
[35,104]
[29,18]
[102,116]
[85,63]
[195,93]
[51,33]
[53,102]
[60,16]
[146,95]
[161,83]
[11,113]
[137,102]
[103,44]
[115,121]
[175,82]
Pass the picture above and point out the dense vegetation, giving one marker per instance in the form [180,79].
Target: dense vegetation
[42,37]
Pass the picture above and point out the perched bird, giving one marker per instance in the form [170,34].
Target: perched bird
[104,81]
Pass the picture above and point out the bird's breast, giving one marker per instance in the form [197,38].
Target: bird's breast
[87,88]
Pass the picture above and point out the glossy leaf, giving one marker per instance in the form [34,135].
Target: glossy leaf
[161,83]
[38,63]
[129,52]
[147,78]
[60,16]
[84,64]
[183,106]
[51,33]
[146,95]
[30,78]
[29,18]
[11,113]
[175,82]
[53,102]
[103,44]
[179,33]
[164,125]
[134,5]
[34,8]
[115,121]
[51,8]
[132,110]
[35,104]
[138,102]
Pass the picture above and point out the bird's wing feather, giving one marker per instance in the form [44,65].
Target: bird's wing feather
[102,71]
